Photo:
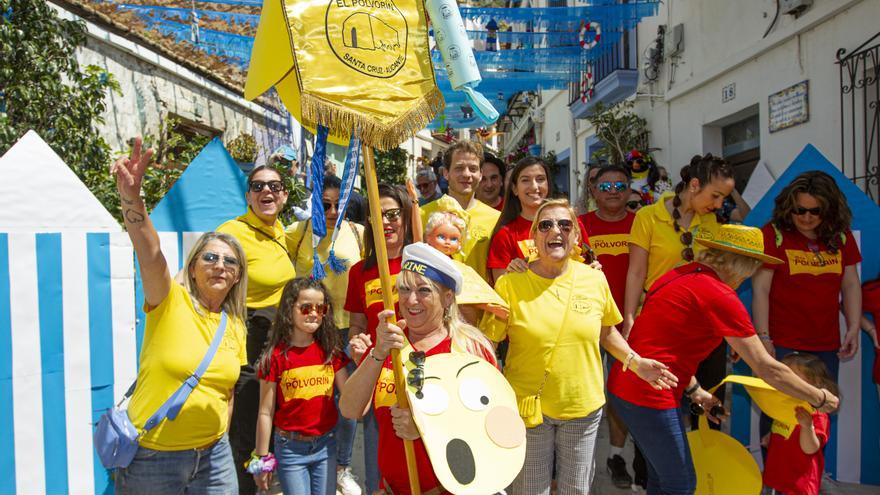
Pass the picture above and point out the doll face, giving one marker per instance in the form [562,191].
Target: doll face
[445,238]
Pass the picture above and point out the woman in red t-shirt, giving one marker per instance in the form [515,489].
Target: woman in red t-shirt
[687,313]
[302,362]
[427,286]
[529,186]
[364,298]
[796,305]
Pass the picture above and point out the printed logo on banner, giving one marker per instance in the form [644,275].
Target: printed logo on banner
[528,249]
[307,382]
[610,244]
[819,263]
[370,36]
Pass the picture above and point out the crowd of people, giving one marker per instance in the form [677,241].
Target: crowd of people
[640,286]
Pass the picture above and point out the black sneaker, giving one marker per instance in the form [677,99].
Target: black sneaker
[640,469]
[617,469]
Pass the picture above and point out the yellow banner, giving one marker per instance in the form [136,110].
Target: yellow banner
[373,290]
[348,64]
[307,382]
[811,263]
[610,244]
[386,396]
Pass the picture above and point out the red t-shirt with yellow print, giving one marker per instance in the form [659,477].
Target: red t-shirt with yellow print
[304,390]
[805,292]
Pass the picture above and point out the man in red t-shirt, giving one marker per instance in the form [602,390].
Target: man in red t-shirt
[608,228]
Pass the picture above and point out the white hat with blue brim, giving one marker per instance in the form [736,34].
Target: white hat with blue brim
[426,261]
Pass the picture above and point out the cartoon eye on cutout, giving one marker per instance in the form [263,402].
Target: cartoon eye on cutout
[434,400]
[474,394]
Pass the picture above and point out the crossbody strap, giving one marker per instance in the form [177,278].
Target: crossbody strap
[171,407]
[276,241]
[558,335]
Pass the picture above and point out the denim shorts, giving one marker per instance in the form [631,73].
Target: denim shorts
[208,471]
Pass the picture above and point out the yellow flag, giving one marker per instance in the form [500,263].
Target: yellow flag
[348,64]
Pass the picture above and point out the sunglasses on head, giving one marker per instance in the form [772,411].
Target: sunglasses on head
[416,376]
[275,186]
[612,186]
[800,210]
[213,258]
[392,214]
[307,308]
[565,225]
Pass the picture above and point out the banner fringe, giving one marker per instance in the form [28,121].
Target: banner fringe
[379,136]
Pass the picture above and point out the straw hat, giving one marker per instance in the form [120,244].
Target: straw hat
[739,239]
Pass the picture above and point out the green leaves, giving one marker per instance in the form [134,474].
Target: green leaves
[391,166]
[619,129]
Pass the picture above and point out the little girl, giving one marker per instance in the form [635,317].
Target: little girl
[302,361]
[795,461]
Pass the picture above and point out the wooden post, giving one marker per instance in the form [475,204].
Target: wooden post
[385,280]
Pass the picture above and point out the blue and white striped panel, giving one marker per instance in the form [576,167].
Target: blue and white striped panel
[853,451]
[67,352]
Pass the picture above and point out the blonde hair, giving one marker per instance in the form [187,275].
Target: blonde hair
[556,203]
[235,303]
[464,335]
[730,266]
[439,218]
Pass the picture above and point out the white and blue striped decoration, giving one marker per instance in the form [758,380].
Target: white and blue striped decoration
[67,351]
[853,451]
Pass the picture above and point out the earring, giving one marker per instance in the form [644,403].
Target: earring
[447,317]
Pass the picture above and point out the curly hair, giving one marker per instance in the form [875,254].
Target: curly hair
[835,213]
[439,218]
[327,336]
[704,169]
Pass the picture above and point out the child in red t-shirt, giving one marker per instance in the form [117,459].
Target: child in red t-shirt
[302,361]
[795,460]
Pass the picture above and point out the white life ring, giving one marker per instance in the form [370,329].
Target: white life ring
[587,84]
[585,28]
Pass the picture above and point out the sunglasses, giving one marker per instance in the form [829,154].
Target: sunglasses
[609,186]
[634,205]
[564,225]
[392,214]
[422,187]
[687,238]
[328,205]
[307,308]
[212,258]
[416,376]
[258,185]
[800,211]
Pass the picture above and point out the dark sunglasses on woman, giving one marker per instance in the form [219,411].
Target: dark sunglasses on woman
[392,214]
[564,225]
[212,258]
[258,185]
[635,205]
[800,211]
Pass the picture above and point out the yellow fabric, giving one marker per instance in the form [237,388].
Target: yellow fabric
[539,310]
[653,230]
[477,292]
[347,247]
[481,221]
[268,264]
[346,64]
[770,401]
[176,339]
[723,465]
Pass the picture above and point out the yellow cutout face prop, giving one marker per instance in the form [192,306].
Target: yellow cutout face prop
[723,465]
[467,416]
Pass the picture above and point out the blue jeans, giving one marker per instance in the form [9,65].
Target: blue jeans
[305,467]
[661,436]
[371,450]
[209,471]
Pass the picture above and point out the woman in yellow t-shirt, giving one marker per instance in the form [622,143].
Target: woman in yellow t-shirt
[261,235]
[663,233]
[191,452]
[560,313]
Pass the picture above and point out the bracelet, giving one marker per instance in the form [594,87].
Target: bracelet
[380,361]
[765,337]
[260,464]
[824,400]
[628,360]
[690,390]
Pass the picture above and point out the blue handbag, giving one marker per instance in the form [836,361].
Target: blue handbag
[116,438]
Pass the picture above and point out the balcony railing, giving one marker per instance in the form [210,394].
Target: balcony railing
[608,85]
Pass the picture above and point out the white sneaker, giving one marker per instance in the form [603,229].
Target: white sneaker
[346,482]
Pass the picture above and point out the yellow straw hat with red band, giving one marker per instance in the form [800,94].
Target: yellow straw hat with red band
[739,239]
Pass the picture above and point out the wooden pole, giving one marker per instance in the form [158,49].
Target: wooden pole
[385,280]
